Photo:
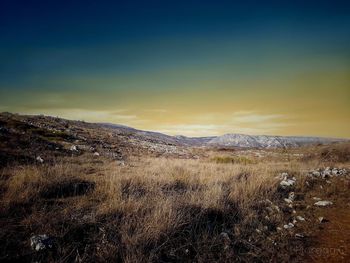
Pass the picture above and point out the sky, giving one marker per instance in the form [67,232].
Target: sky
[195,68]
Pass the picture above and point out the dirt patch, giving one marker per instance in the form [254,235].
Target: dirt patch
[331,242]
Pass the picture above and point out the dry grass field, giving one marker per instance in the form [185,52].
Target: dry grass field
[227,206]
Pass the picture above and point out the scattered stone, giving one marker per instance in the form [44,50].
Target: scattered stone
[258,231]
[316,173]
[323,203]
[278,228]
[276,208]
[283,176]
[74,148]
[41,242]
[39,159]
[300,218]
[96,154]
[120,163]
[287,200]
[317,198]
[287,183]
[327,172]
[298,235]
[291,196]
[289,226]
[321,219]
[268,201]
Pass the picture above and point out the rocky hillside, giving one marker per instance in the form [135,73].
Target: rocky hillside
[264,141]
[27,137]
[229,140]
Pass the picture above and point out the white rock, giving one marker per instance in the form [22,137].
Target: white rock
[317,198]
[299,235]
[276,208]
[300,218]
[41,242]
[321,219]
[289,226]
[291,195]
[39,159]
[73,148]
[316,173]
[96,154]
[287,183]
[268,201]
[121,163]
[323,203]
[335,171]
[283,176]
[287,200]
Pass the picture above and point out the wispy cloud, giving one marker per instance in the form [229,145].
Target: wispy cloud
[252,117]
[191,129]
[156,110]
[248,122]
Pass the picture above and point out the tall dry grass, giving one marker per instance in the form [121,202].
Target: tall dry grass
[152,210]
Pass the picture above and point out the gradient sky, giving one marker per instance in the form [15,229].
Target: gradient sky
[181,67]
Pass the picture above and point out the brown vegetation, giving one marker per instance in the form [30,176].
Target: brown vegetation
[152,210]
[166,204]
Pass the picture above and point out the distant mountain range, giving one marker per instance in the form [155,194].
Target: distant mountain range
[229,140]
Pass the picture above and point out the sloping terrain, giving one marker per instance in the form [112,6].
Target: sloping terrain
[24,138]
[72,191]
[113,139]
[264,141]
